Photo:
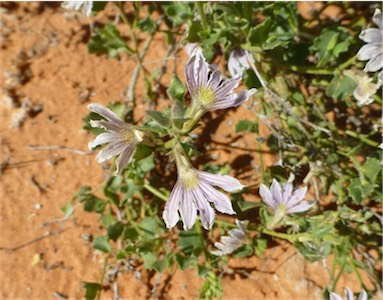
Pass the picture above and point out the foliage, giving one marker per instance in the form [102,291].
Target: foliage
[315,127]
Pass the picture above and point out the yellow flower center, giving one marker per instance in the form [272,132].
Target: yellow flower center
[131,135]
[189,178]
[205,96]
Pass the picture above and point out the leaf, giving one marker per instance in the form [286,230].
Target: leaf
[115,230]
[258,34]
[355,190]
[340,87]
[146,164]
[149,259]
[108,41]
[151,226]
[246,125]
[190,242]
[243,206]
[147,25]
[371,169]
[159,117]
[183,261]
[91,289]
[98,6]
[101,243]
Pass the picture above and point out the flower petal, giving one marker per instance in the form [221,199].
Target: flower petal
[267,197]
[104,138]
[225,182]
[300,207]
[362,295]
[371,35]
[276,191]
[334,296]
[377,18]
[205,210]
[349,294]
[287,190]
[233,100]
[368,51]
[124,158]
[111,150]
[104,124]
[170,213]
[296,197]
[188,210]
[375,63]
[221,202]
[106,113]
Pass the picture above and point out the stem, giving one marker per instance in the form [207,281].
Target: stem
[202,15]
[155,192]
[333,285]
[102,276]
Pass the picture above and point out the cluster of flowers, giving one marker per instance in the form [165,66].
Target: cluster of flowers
[194,190]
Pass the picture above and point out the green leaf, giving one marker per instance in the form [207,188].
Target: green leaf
[149,259]
[246,125]
[142,151]
[147,25]
[108,41]
[101,243]
[355,191]
[115,230]
[258,34]
[190,242]
[159,117]
[91,289]
[98,6]
[151,226]
[146,164]
[130,234]
[243,206]
[371,169]
[183,261]
[340,87]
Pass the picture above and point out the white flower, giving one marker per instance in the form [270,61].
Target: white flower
[194,192]
[208,90]
[84,6]
[189,48]
[349,295]
[239,60]
[365,87]
[235,240]
[373,51]
[282,201]
[122,137]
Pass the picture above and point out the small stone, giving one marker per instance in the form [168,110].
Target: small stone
[38,206]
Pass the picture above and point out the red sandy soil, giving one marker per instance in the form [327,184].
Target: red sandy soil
[36,184]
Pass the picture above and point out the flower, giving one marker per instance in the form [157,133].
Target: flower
[194,191]
[239,60]
[349,295]
[373,51]
[283,201]
[235,240]
[208,90]
[84,6]
[365,87]
[122,137]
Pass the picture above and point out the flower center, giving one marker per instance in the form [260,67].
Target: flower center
[205,96]
[189,178]
[131,135]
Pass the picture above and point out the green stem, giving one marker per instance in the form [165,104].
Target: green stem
[102,276]
[335,282]
[133,36]
[362,138]
[290,237]
[202,15]
[155,192]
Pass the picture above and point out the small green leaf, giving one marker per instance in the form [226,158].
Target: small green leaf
[147,25]
[190,242]
[176,90]
[246,125]
[101,243]
[108,41]
[91,289]
[159,117]
[341,87]
[355,190]
[115,230]
[371,169]
[149,259]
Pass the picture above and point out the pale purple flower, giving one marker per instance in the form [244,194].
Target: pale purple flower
[365,88]
[189,48]
[239,60]
[373,51]
[282,197]
[235,240]
[84,6]
[282,200]
[208,90]
[349,295]
[194,192]
[121,137]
